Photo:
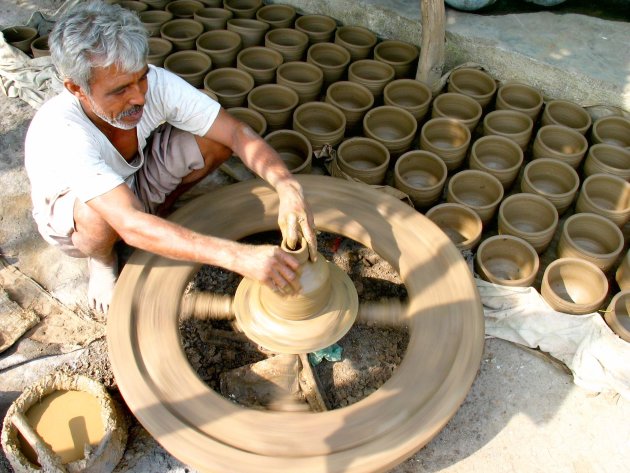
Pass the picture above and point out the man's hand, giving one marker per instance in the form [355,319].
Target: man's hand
[295,218]
[269,265]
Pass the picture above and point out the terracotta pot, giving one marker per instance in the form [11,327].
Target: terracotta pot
[519,97]
[20,37]
[305,78]
[274,102]
[132,5]
[213,18]
[159,49]
[243,8]
[475,83]
[318,28]
[231,85]
[252,31]
[412,95]
[191,66]
[459,107]
[618,315]
[613,130]
[251,117]
[364,159]
[460,223]
[392,126]
[478,190]
[183,8]
[530,217]
[375,75]
[182,33]
[511,124]
[563,112]
[574,286]
[331,58]
[322,123]
[622,275]
[153,21]
[290,43]
[260,62]
[400,55]
[39,46]
[221,45]
[294,149]
[591,237]
[352,98]
[552,179]
[560,142]
[358,40]
[277,15]
[607,159]
[507,260]
[605,195]
[447,138]
[156,4]
[498,156]
[421,175]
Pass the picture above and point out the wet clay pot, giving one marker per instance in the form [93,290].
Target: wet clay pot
[460,223]
[305,78]
[260,62]
[421,175]
[563,112]
[213,18]
[498,156]
[400,55]
[392,126]
[183,8]
[591,237]
[39,46]
[231,85]
[608,159]
[192,66]
[243,8]
[519,97]
[290,43]
[353,99]
[156,4]
[322,123]
[605,195]
[612,130]
[459,107]
[153,20]
[182,33]
[412,95]
[530,217]
[294,149]
[560,142]
[252,32]
[221,45]
[507,260]
[618,315]
[212,3]
[574,286]
[20,37]
[277,15]
[318,28]
[362,158]
[210,94]
[374,75]
[622,275]
[251,117]
[274,102]
[133,5]
[475,83]
[331,58]
[447,138]
[511,124]
[159,49]
[478,190]
[552,179]
[359,41]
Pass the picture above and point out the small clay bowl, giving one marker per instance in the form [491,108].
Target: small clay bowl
[519,97]
[560,142]
[318,28]
[39,46]
[401,55]
[352,98]
[358,40]
[331,58]
[159,49]
[475,83]
[412,95]
[252,31]
[294,148]
[231,85]
[617,315]
[213,18]
[421,175]
[479,190]
[192,66]
[608,159]
[133,5]
[221,45]
[605,195]
[20,37]
[375,75]
[303,77]
[364,159]
[274,102]
[183,8]
[289,42]
[511,124]
[153,20]
[552,179]
[182,32]
[460,223]
[622,275]
[243,8]
[251,117]
[447,138]
[393,126]
[563,112]
[613,130]
[507,260]
[498,156]
[322,123]
[459,107]
[262,63]
[574,286]
[277,15]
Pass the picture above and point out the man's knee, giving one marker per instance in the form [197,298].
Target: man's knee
[92,233]
[214,153]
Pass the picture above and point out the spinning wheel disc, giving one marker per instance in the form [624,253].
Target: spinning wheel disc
[209,433]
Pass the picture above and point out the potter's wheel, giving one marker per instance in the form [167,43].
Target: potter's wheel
[209,433]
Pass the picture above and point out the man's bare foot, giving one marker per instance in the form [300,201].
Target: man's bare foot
[103,278]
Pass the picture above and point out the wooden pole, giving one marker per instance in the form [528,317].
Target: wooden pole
[433,37]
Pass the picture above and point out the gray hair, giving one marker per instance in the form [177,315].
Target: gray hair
[96,34]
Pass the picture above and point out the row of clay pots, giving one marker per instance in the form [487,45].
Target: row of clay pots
[26,39]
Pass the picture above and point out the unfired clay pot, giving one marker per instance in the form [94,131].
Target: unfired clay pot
[392,126]
[156,4]
[153,20]
[498,156]
[613,130]
[459,107]
[20,37]
[608,159]
[618,315]
[507,260]
[520,97]
[252,31]
[183,8]
[134,5]
[605,195]
[574,286]
[305,78]
[352,98]
[290,43]
[375,75]
[213,18]
[230,84]
[475,83]
[412,95]
[192,66]
[421,175]
[39,46]
[250,116]
[552,179]
[563,112]
[478,190]
[159,49]
[364,159]
[318,28]
[511,124]
[274,102]
[402,56]
[277,15]
[331,58]
[560,142]
[243,8]
[622,275]
[294,149]
[182,32]
[322,123]
[260,62]
[358,40]
[460,223]
[447,138]
[221,45]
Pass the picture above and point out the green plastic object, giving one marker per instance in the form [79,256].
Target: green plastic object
[331,353]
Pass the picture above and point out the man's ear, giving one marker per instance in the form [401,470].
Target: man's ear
[74,89]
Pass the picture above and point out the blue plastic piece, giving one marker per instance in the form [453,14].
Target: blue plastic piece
[331,353]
